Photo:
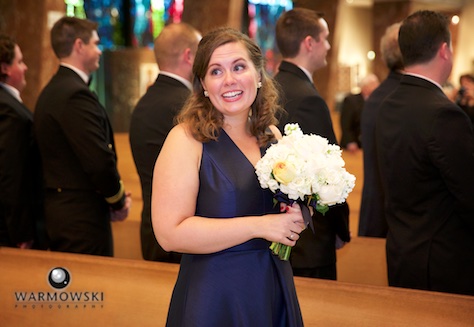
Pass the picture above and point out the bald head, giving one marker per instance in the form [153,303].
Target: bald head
[368,84]
[176,42]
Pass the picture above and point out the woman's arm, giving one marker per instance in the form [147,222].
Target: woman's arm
[175,190]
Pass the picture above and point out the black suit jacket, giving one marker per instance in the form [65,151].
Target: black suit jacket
[151,122]
[425,147]
[372,220]
[351,111]
[20,173]
[305,106]
[303,103]
[79,165]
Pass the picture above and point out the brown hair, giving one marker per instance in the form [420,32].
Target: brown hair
[203,119]
[421,34]
[469,77]
[293,27]
[7,52]
[67,30]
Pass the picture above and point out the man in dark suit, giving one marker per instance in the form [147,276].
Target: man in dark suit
[425,145]
[301,36]
[372,220]
[84,191]
[20,167]
[351,112]
[153,118]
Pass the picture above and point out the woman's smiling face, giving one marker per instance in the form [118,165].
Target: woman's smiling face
[231,79]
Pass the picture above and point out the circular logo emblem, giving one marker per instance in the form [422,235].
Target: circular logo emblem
[59,277]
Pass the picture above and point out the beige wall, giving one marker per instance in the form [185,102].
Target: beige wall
[354,34]
[464,51]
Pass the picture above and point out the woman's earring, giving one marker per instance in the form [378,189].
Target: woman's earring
[206,94]
[259,85]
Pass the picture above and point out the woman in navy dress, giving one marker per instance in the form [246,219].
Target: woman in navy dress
[207,202]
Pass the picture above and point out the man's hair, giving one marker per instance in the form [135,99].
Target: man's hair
[293,26]
[421,34]
[7,52]
[469,77]
[67,30]
[172,41]
[390,49]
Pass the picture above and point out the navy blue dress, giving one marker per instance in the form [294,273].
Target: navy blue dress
[245,285]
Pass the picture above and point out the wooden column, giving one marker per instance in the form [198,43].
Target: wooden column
[27,22]
[206,15]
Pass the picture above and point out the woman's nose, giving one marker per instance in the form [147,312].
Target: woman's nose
[229,78]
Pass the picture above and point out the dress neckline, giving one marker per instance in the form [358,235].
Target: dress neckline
[223,132]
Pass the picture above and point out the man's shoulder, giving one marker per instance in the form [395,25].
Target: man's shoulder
[287,78]
[14,108]
[163,95]
[294,86]
[6,99]
[354,97]
[288,73]
[60,91]
[7,106]
[63,84]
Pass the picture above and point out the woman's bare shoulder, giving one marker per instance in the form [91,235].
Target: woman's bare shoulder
[180,148]
[275,131]
[182,133]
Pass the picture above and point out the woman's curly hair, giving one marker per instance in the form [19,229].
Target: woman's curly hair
[203,120]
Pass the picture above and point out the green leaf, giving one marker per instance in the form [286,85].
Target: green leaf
[322,208]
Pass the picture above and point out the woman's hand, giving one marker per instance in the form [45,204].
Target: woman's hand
[284,228]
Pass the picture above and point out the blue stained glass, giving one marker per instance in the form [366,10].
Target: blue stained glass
[263,15]
[109,15]
[146,19]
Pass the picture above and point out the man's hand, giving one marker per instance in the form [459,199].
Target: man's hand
[122,214]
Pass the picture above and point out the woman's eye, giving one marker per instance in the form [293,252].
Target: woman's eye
[215,71]
[239,67]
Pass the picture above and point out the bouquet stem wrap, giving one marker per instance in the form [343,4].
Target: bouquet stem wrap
[284,251]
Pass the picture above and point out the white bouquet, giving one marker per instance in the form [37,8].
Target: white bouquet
[306,169]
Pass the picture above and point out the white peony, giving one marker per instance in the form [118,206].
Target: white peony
[317,168]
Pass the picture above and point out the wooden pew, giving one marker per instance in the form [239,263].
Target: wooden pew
[119,292]
[360,261]
[122,292]
[363,261]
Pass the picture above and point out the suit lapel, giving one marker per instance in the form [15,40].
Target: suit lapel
[14,103]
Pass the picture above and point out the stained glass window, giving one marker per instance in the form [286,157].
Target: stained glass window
[150,16]
[127,23]
[75,8]
[263,15]
[109,15]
